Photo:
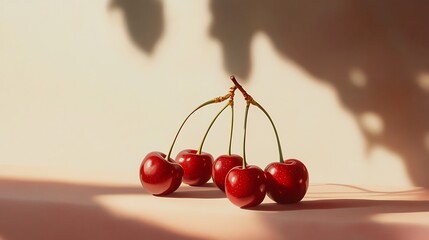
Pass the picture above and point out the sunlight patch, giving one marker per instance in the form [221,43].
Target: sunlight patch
[358,78]
[426,141]
[423,81]
[372,122]
[390,165]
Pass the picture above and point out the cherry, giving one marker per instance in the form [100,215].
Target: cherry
[197,167]
[221,166]
[224,163]
[158,175]
[287,182]
[245,187]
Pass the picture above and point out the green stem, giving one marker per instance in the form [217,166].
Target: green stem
[186,119]
[274,127]
[210,126]
[232,129]
[244,136]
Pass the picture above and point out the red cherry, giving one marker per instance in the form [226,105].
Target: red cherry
[197,167]
[221,167]
[245,187]
[159,176]
[287,182]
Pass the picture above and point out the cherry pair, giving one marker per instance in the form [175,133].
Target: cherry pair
[161,175]
[284,183]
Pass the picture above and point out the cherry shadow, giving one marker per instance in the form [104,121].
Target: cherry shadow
[380,206]
[53,210]
[207,185]
[359,190]
[206,194]
[373,53]
[144,21]
[206,191]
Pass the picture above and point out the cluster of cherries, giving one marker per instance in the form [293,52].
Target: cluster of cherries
[245,185]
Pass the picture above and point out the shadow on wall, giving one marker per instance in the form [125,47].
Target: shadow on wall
[144,21]
[51,210]
[374,53]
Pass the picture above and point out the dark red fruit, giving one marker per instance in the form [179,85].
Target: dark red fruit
[245,187]
[197,167]
[287,182]
[158,175]
[221,167]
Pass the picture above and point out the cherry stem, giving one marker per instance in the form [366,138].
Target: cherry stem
[250,100]
[216,100]
[274,127]
[244,136]
[232,127]
[210,126]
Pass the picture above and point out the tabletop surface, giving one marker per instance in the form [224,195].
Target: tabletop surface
[57,209]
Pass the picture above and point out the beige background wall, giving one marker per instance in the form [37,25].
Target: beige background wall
[87,88]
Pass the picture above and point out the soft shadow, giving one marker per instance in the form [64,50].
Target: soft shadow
[53,210]
[354,190]
[206,185]
[380,206]
[204,192]
[366,190]
[374,53]
[144,21]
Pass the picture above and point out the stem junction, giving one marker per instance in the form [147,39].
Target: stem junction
[249,100]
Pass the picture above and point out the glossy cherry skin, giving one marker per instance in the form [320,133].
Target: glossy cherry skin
[222,165]
[159,176]
[245,187]
[197,167]
[287,182]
